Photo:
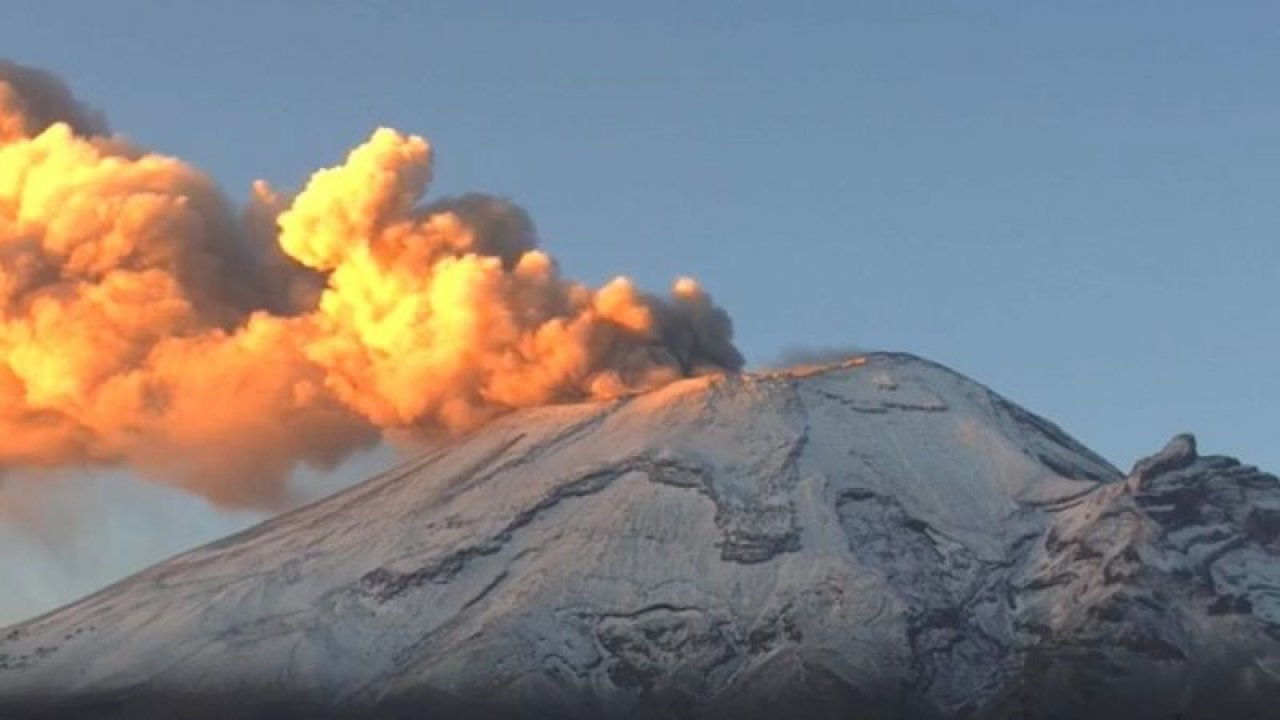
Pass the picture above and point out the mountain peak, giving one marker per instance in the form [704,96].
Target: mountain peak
[1178,453]
[881,535]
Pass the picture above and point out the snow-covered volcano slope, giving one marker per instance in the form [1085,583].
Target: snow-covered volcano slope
[882,538]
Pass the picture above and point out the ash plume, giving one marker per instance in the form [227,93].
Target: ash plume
[145,321]
[810,355]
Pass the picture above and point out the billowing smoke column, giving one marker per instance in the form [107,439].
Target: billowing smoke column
[144,321]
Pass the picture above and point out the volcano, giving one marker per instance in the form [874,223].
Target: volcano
[881,538]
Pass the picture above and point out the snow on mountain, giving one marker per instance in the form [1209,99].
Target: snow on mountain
[880,538]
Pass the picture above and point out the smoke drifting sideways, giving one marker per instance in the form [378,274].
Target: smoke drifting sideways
[145,322]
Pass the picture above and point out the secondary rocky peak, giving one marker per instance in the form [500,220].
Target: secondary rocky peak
[1178,453]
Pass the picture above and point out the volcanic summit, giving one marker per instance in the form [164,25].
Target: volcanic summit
[877,538]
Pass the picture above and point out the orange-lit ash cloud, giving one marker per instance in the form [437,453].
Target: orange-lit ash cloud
[146,321]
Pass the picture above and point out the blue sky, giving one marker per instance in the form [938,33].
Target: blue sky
[1074,203]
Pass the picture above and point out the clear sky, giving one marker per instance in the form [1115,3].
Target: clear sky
[1074,203]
